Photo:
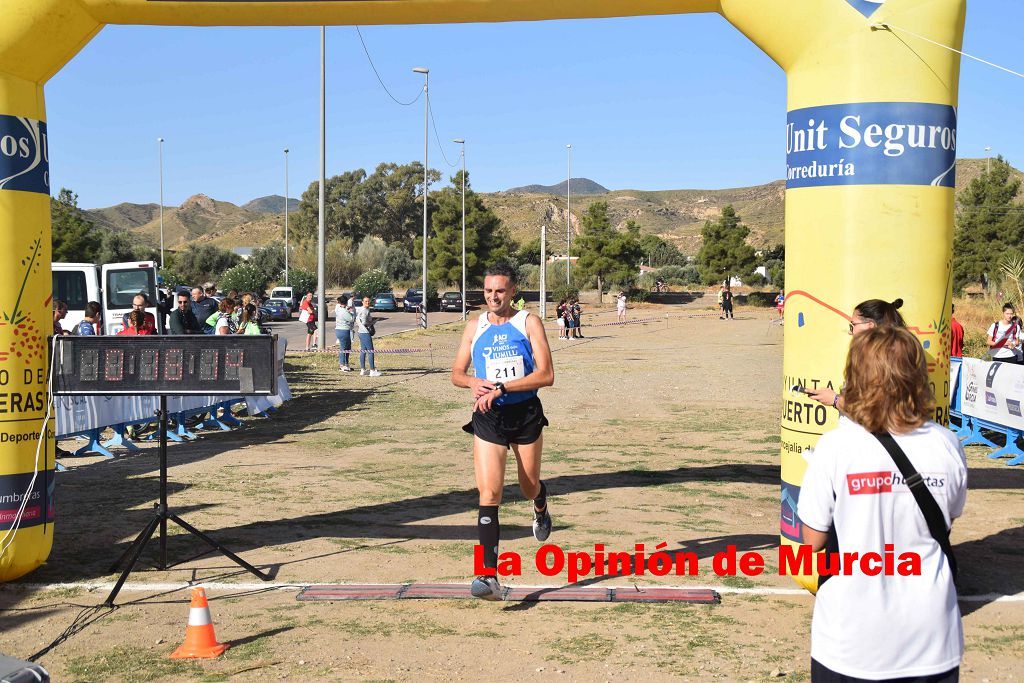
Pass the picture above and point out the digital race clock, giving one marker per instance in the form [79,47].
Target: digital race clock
[168,365]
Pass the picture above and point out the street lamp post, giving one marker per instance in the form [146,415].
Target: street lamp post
[988,160]
[160,144]
[568,220]
[321,304]
[426,184]
[286,216]
[543,272]
[462,153]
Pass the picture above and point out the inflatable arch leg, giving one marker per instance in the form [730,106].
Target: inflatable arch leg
[871,143]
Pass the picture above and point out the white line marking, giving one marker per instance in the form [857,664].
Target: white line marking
[240,587]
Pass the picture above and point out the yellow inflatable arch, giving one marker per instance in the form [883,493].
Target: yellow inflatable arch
[870,144]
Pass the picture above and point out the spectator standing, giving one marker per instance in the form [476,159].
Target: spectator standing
[307,315]
[560,320]
[721,302]
[225,320]
[136,325]
[1004,337]
[139,303]
[344,318]
[780,304]
[867,315]
[620,307]
[576,312]
[727,303]
[886,627]
[182,320]
[365,328]
[519,303]
[956,336]
[60,311]
[203,307]
[249,322]
[91,323]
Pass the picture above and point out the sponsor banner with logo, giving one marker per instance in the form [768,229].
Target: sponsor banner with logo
[38,508]
[24,158]
[992,391]
[871,143]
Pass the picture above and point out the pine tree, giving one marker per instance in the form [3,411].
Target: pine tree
[725,252]
[988,224]
[487,241]
[605,253]
[75,238]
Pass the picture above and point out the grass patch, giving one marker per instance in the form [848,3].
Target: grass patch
[130,663]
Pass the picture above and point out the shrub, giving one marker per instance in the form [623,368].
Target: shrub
[245,277]
[372,282]
[397,264]
[301,281]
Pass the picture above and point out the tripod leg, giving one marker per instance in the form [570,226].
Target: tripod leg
[139,544]
[141,538]
[221,549]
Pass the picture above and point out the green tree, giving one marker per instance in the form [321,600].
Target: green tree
[725,252]
[397,264]
[605,253]
[75,238]
[487,241]
[203,262]
[988,224]
[269,260]
[116,247]
[390,201]
[774,262]
[529,252]
[372,282]
[340,196]
[659,252]
[245,277]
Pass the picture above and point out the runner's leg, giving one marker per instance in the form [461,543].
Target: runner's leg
[489,467]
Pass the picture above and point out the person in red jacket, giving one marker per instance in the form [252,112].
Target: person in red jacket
[137,326]
[956,336]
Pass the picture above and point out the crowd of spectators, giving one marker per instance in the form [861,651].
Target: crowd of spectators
[202,311]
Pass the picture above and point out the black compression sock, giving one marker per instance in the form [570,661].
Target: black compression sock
[490,532]
[541,501]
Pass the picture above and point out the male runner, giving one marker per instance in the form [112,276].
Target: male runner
[511,361]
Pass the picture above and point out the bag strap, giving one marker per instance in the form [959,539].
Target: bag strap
[925,501]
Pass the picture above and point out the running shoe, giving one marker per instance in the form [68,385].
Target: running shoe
[362,372]
[374,373]
[486,588]
[345,368]
[541,524]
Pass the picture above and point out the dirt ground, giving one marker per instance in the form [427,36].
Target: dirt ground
[665,431]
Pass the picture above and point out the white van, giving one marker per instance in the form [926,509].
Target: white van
[287,294]
[114,285]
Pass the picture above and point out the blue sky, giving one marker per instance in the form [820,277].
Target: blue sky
[647,103]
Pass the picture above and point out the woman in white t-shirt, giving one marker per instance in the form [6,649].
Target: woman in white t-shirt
[1004,337]
[620,306]
[881,627]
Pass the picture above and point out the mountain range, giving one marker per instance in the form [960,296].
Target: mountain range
[675,215]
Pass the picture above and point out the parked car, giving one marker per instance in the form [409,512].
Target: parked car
[413,299]
[286,293]
[451,301]
[277,309]
[384,301]
[279,301]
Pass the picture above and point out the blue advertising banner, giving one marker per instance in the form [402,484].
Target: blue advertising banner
[24,157]
[871,143]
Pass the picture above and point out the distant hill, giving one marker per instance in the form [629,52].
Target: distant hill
[580,186]
[675,215]
[271,204]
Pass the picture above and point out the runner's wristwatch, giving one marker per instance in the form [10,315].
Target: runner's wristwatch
[501,388]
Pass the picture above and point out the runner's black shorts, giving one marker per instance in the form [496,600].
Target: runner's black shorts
[519,423]
[311,327]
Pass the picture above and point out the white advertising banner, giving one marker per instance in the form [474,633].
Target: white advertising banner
[992,391]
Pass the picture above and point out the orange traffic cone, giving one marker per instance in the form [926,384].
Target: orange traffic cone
[200,641]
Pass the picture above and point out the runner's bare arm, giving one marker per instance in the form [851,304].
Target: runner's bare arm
[463,358]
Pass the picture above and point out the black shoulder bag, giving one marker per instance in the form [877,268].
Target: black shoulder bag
[925,501]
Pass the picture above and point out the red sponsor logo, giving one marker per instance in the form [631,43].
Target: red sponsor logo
[869,482]
[32,512]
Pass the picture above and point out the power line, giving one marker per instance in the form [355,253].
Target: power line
[379,79]
[436,136]
[888,27]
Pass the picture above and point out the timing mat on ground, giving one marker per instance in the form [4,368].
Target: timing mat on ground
[451,591]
